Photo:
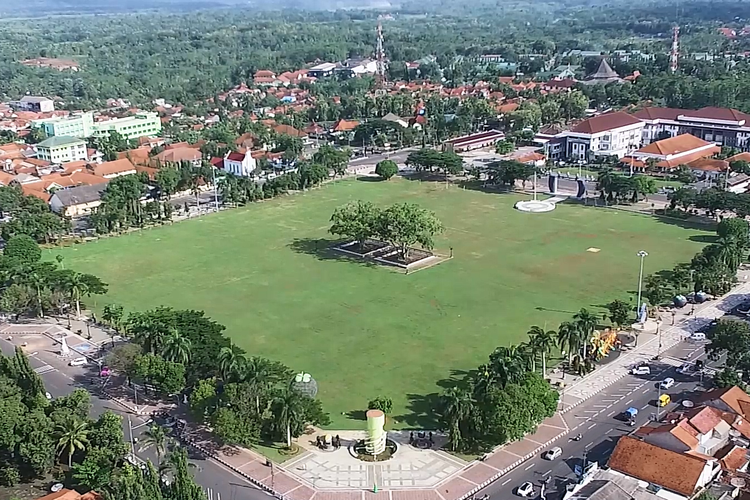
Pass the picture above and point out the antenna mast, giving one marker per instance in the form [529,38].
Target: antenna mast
[674,54]
[380,57]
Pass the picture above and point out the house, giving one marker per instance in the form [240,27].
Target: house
[723,126]
[679,473]
[142,124]
[246,140]
[240,164]
[473,141]
[390,117]
[81,200]
[700,430]
[684,149]
[288,130]
[35,104]
[178,155]
[112,169]
[604,74]
[357,67]
[731,400]
[321,70]
[345,125]
[62,149]
[79,125]
[51,62]
[610,134]
[66,494]
[266,78]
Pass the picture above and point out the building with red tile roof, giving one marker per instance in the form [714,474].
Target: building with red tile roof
[609,134]
[723,126]
[112,169]
[345,125]
[673,152]
[680,473]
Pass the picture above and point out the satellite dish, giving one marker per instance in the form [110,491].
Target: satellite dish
[56,487]
[737,482]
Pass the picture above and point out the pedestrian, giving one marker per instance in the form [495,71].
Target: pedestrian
[692,309]
[673,315]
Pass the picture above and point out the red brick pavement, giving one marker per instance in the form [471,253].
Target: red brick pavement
[338,495]
[415,495]
[478,473]
[281,482]
[455,488]
[301,493]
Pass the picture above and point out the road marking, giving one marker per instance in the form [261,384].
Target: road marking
[608,400]
[611,413]
[610,430]
[506,482]
[592,425]
[582,417]
[644,407]
[529,467]
[590,411]
[601,406]
[44,369]
[548,472]
[646,391]
[630,401]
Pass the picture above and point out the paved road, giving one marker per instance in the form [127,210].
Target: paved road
[599,421]
[222,483]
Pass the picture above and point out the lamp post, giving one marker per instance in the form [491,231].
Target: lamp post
[642,254]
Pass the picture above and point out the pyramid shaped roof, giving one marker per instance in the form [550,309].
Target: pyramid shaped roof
[604,72]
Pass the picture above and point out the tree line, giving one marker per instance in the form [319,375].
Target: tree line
[42,436]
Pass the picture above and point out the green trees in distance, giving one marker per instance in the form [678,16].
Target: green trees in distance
[427,160]
[402,225]
[504,147]
[507,172]
[617,188]
[334,159]
[29,215]
[386,169]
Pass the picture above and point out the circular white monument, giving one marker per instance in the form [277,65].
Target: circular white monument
[535,206]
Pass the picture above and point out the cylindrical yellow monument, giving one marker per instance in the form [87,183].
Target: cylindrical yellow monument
[375,442]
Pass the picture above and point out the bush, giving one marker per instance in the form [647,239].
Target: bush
[382,403]
[9,476]
[386,169]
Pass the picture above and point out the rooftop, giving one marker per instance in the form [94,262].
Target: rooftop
[59,141]
[80,195]
[673,471]
[607,121]
[674,145]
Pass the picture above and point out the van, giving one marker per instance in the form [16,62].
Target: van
[77,362]
[698,337]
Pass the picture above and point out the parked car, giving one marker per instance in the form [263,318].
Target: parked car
[77,362]
[525,490]
[698,337]
[552,453]
[641,370]
[667,383]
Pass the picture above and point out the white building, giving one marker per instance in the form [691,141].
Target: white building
[34,103]
[62,149]
[240,164]
[610,134]
[723,126]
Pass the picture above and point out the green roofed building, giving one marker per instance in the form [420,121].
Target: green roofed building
[62,149]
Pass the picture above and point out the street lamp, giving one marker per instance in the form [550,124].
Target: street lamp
[642,254]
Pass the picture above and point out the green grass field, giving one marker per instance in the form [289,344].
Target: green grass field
[364,331]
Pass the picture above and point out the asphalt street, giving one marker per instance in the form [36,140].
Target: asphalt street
[600,421]
[219,482]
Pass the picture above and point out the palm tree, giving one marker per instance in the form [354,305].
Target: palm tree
[156,437]
[176,348]
[526,353]
[259,374]
[569,338]
[543,342]
[456,407]
[231,362]
[507,364]
[77,288]
[286,408]
[72,435]
[730,252]
[39,284]
[587,322]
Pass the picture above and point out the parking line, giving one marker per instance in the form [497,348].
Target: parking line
[611,413]
[592,425]
[630,401]
[645,391]
[529,467]
[644,407]
[506,482]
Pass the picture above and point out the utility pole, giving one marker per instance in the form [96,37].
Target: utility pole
[132,443]
[642,254]
[675,52]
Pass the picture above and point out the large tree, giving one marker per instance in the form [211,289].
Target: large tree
[406,224]
[356,220]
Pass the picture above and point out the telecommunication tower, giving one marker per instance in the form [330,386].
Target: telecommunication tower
[380,57]
[674,54]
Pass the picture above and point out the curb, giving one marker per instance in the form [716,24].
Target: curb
[254,481]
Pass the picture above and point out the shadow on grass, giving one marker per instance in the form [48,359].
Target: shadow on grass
[704,238]
[369,178]
[422,414]
[321,248]
[357,415]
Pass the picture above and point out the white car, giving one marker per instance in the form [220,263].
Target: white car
[552,453]
[685,369]
[525,490]
[77,362]
[641,370]
[667,383]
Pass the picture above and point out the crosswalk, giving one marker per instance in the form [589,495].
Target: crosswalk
[41,370]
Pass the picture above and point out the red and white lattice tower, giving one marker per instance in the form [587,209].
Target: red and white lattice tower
[675,53]
[380,57]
